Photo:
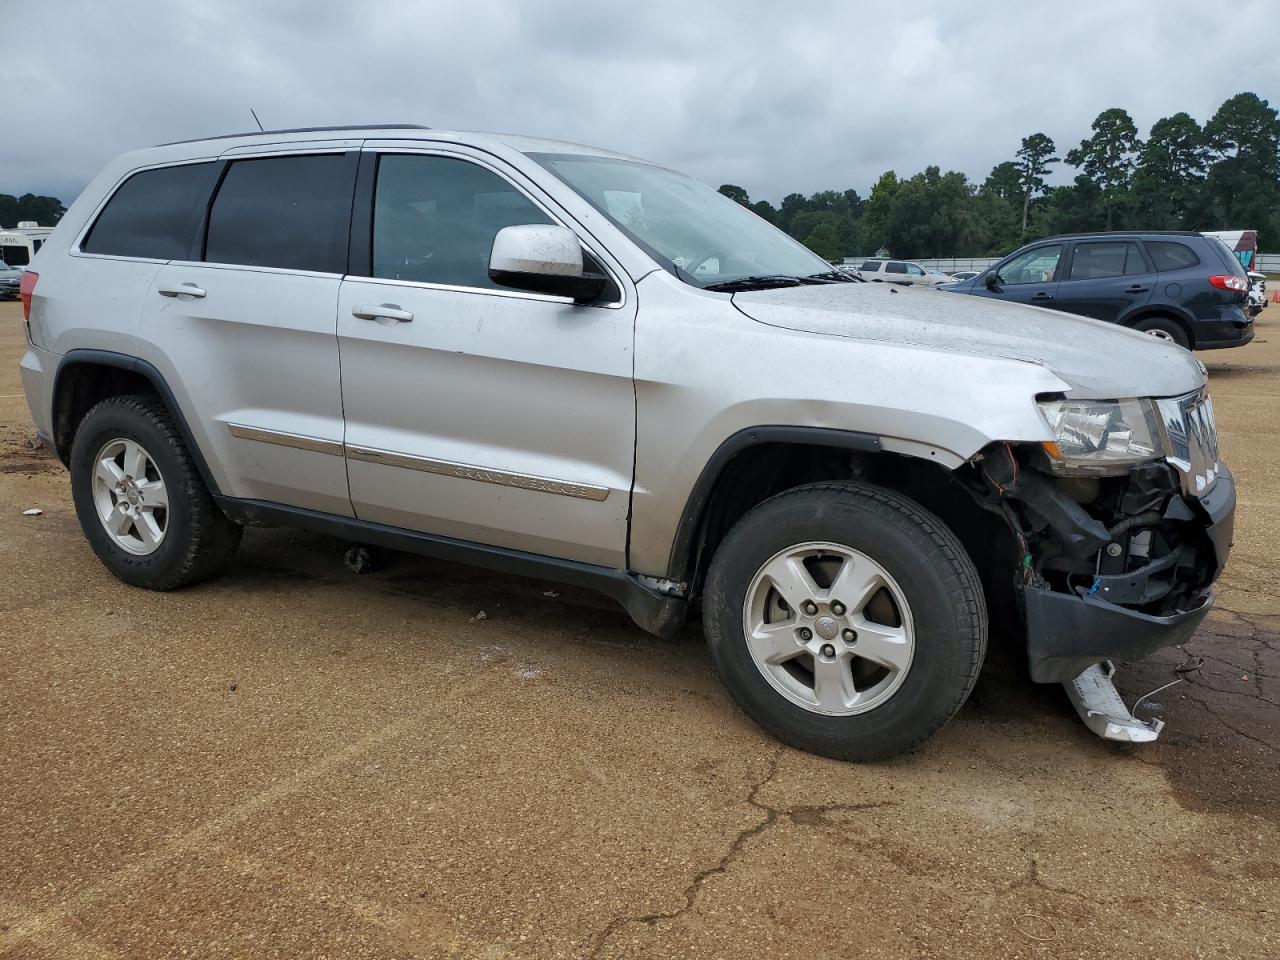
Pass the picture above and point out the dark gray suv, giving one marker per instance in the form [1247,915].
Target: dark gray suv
[1184,287]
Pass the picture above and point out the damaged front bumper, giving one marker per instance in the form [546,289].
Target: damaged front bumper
[1069,632]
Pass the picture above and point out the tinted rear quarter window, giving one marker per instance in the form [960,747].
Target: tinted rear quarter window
[287,212]
[1227,256]
[1170,255]
[154,214]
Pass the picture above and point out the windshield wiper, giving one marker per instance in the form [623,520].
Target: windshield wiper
[836,276]
[760,282]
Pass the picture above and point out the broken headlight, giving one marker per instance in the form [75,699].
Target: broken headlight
[1099,438]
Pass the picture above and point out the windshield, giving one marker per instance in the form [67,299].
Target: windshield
[705,238]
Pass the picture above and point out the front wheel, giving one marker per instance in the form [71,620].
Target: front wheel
[845,619]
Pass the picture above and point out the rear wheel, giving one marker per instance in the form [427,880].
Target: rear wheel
[140,500]
[845,619]
[1162,328]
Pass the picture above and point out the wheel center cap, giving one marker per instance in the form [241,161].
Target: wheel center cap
[826,628]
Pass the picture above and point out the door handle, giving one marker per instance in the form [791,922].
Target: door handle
[182,290]
[1043,296]
[1137,289]
[383,311]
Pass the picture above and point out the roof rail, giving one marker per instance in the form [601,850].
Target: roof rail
[260,133]
[1123,233]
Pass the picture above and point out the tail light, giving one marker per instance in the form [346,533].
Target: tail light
[27,288]
[1229,281]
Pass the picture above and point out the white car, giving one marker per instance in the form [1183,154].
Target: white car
[10,281]
[899,271]
[1257,293]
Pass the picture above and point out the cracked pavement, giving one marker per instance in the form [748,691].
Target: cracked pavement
[295,762]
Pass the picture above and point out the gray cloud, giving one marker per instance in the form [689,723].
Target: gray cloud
[774,97]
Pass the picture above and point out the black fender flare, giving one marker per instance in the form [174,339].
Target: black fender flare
[691,517]
[123,361]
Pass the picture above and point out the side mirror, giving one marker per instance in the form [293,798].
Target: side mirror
[991,280]
[543,258]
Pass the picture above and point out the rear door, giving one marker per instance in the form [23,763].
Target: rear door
[895,271]
[245,330]
[473,411]
[1106,279]
[1027,277]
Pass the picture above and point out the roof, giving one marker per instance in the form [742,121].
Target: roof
[249,134]
[409,131]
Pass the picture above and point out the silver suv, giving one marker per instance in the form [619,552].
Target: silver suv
[551,360]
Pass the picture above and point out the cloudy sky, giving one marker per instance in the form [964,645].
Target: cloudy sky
[773,96]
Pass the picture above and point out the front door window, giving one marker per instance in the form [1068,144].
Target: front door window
[1035,266]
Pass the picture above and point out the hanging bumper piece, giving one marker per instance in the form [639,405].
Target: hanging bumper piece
[1100,707]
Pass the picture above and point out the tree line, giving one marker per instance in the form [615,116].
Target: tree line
[1183,176]
[45,211]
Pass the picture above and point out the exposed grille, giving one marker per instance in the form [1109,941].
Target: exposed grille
[1191,440]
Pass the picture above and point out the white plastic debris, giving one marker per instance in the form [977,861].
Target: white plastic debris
[480,616]
[33,512]
[550,593]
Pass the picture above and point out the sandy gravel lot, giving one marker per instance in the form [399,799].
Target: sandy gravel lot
[296,762]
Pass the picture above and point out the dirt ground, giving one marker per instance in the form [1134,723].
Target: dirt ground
[296,762]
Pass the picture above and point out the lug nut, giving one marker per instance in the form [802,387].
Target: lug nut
[810,607]
[837,608]
[849,635]
[806,634]
[828,650]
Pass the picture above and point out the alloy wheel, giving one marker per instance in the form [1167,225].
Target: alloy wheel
[829,628]
[130,496]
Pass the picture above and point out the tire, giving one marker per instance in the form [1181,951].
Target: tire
[1165,329]
[195,539]
[924,569]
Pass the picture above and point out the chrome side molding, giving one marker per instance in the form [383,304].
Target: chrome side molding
[444,468]
[281,439]
[466,471]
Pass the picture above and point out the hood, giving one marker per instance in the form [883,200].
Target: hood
[1099,360]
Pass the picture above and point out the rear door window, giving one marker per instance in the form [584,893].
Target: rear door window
[1101,261]
[1170,255]
[293,213]
[870,265]
[893,266]
[154,214]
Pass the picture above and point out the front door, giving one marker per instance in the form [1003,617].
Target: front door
[1106,280]
[473,411]
[1028,277]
